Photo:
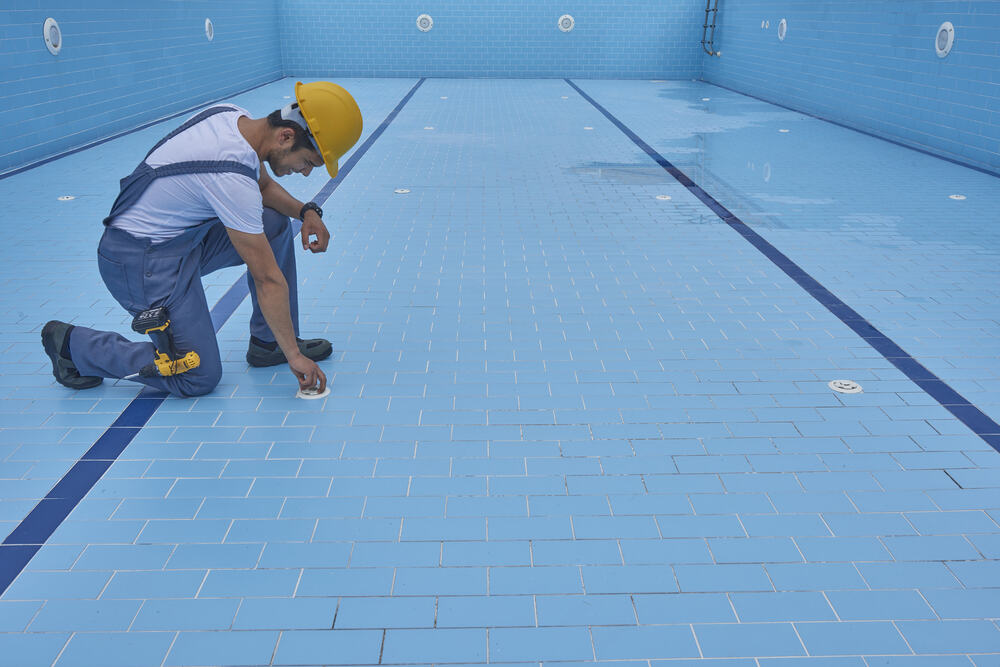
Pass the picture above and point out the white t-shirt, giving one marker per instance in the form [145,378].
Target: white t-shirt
[172,204]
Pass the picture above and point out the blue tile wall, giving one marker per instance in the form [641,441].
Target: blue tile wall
[123,63]
[872,64]
[500,38]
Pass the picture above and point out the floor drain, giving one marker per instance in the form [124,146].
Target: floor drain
[565,97]
[428,127]
[444,97]
[66,198]
[956,197]
[588,128]
[706,99]
[663,197]
[401,191]
[845,386]
[786,131]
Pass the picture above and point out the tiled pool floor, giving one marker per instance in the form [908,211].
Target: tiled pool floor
[575,417]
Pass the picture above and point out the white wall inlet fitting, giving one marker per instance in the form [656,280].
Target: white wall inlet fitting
[957,197]
[401,191]
[845,386]
[424,22]
[782,29]
[566,23]
[66,198]
[209,30]
[945,38]
[52,36]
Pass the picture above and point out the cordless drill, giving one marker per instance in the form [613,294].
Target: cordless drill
[155,323]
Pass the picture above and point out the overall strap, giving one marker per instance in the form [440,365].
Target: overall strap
[133,185]
[207,113]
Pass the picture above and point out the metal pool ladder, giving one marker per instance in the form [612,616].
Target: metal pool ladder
[708,38]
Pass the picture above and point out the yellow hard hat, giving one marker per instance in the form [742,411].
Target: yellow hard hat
[333,116]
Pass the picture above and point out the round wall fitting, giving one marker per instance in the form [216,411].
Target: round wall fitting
[209,30]
[945,38]
[52,36]
[566,23]
[782,29]
[424,22]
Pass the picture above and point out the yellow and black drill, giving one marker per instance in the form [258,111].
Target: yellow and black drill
[155,323]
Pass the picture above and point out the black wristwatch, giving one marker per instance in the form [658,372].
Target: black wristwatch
[310,206]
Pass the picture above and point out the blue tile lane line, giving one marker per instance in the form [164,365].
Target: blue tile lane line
[939,156]
[974,418]
[27,538]
[151,123]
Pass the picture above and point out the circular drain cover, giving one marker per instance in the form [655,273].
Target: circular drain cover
[706,99]
[66,198]
[401,191]
[785,131]
[566,23]
[428,127]
[845,386]
[424,22]
[444,97]
[956,197]
[663,197]
[588,128]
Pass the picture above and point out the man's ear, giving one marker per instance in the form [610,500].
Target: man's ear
[286,137]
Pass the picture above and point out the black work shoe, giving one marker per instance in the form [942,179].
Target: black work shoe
[262,353]
[54,335]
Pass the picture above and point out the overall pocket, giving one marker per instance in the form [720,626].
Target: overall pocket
[126,289]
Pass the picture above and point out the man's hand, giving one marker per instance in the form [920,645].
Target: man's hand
[307,373]
[312,225]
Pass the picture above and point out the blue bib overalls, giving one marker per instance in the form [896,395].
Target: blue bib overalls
[141,275]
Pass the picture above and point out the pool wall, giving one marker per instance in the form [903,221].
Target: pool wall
[122,64]
[624,39]
[872,64]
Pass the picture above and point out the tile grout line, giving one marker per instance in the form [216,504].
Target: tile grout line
[967,413]
[21,545]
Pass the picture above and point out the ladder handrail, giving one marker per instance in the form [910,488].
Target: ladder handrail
[708,45]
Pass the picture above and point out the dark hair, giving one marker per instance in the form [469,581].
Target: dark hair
[274,119]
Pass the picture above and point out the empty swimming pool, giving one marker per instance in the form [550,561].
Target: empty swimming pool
[584,333]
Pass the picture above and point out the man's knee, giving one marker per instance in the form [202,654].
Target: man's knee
[198,381]
[275,223]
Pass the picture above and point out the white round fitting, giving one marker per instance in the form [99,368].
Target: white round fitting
[566,23]
[957,197]
[428,127]
[845,386]
[66,198]
[588,128]
[663,197]
[52,36]
[782,29]
[767,24]
[424,22]
[401,191]
[945,38]
[783,131]
[209,30]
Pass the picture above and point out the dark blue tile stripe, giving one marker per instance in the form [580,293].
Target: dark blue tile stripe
[951,400]
[71,151]
[939,156]
[31,533]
